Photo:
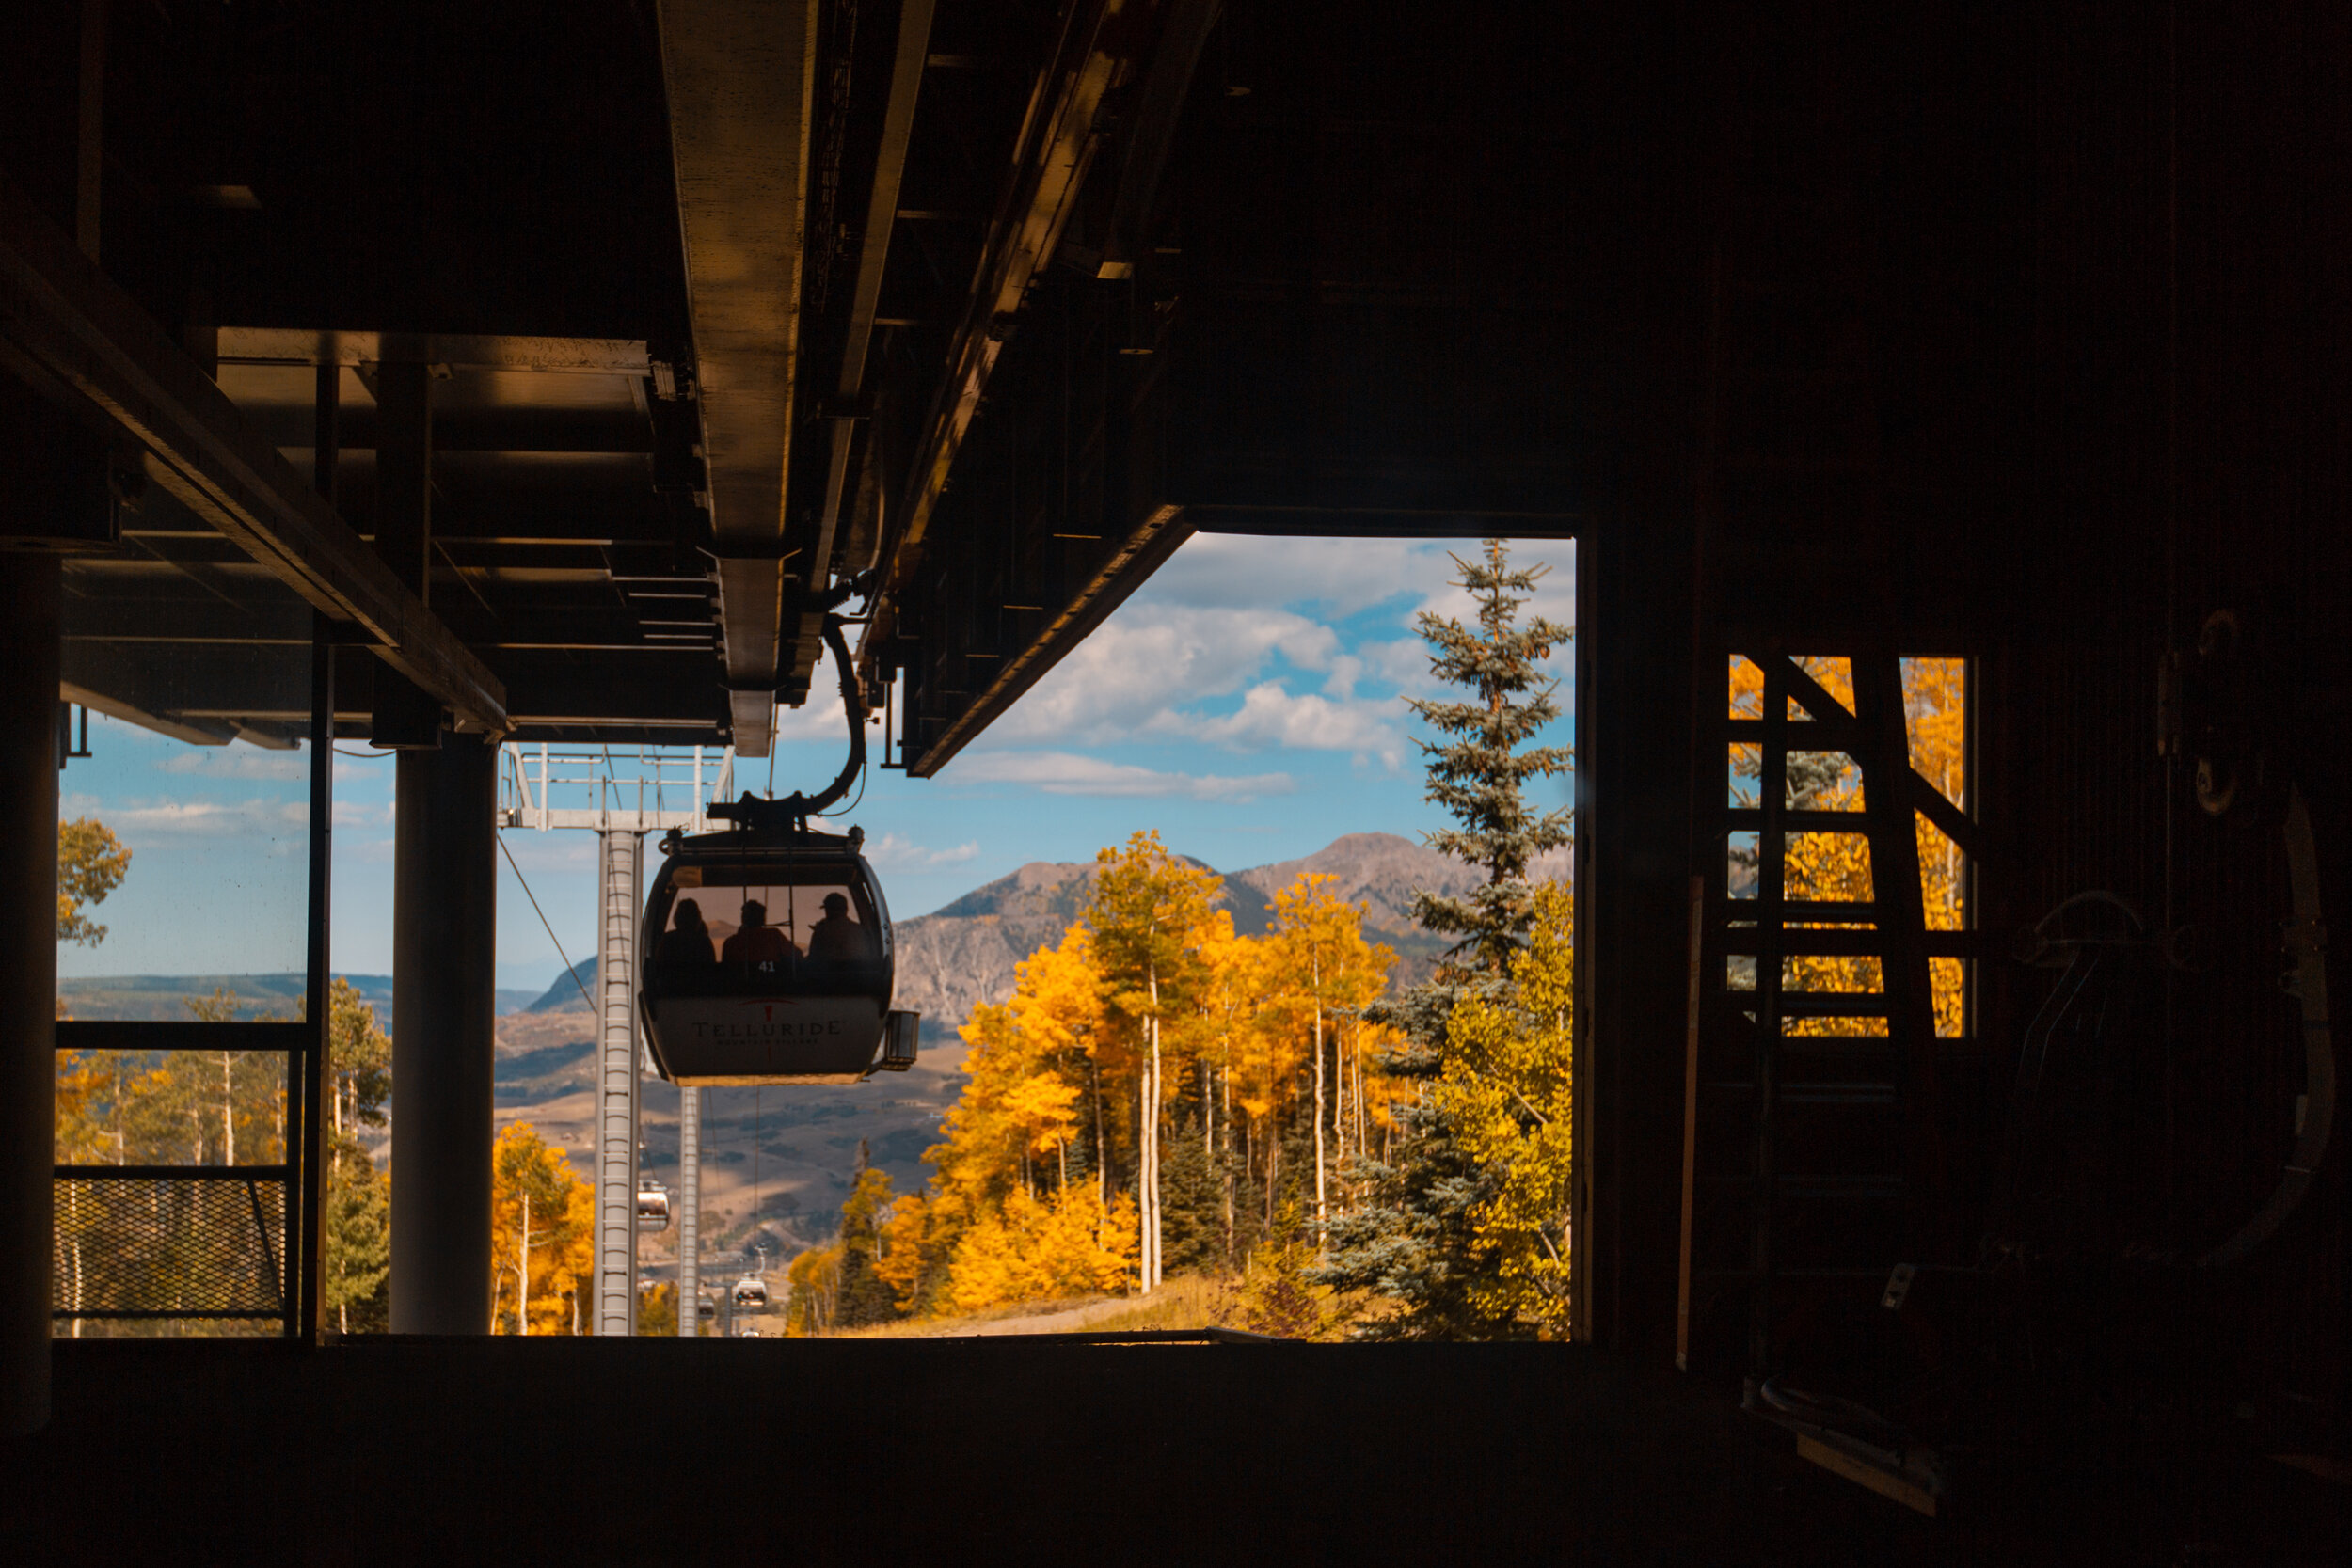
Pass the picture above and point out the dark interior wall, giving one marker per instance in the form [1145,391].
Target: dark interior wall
[2192,420]
[2026,342]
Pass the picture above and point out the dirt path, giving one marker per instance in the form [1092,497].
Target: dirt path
[1069,1321]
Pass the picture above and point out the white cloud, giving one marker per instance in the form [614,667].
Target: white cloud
[1271,715]
[1338,577]
[563,849]
[893,853]
[360,814]
[1062,773]
[820,717]
[238,762]
[206,818]
[377,766]
[1147,659]
[1403,663]
[1215,620]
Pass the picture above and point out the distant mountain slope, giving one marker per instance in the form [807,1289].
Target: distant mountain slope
[565,994]
[966,952]
[153,998]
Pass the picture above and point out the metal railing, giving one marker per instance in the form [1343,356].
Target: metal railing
[644,791]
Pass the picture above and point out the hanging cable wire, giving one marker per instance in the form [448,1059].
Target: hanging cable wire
[543,921]
[844,811]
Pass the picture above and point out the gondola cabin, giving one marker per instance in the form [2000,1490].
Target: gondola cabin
[653,1207]
[766,957]
[751,1295]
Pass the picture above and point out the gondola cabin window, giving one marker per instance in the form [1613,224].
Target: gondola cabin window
[737,918]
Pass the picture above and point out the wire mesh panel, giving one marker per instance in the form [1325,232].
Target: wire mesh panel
[186,1245]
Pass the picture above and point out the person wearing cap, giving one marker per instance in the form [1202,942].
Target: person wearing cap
[838,936]
[755,942]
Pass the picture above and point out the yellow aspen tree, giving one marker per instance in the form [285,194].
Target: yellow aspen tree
[542,1229]
[92,863]
[1327,971]
[814,1280]
[1147,913]
[1060,1005]
[1935,714]
[1233,980]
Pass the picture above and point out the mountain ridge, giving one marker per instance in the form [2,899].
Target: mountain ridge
[968,950]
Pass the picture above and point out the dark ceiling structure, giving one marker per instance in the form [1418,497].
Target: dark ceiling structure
[577,361]
[726,315]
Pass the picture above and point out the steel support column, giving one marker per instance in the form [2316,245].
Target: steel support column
[28,980]
[444,941]
[689,1182]
[620,861]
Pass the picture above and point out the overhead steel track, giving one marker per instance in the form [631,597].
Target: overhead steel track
[739,76]
[64,324]
[1098,48]
[881,214]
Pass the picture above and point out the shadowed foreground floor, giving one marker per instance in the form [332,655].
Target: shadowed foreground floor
[996,1450]
[593,1452]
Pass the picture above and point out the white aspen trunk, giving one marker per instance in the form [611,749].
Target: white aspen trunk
[228,1113]
[522,1239]
[1320,1212]
[1144,1227]
[1152,1129]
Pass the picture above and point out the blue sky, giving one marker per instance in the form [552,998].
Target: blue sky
[1247,702]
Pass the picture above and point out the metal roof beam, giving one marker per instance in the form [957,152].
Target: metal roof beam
[737,76]
[69,325]
[278,345]
[1100,47]
[882,213]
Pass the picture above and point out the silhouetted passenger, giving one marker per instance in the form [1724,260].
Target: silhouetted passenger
[756,942]
[688,940]
[838,936]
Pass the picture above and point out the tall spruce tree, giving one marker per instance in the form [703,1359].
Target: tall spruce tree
[1414,1240]
[864,1297]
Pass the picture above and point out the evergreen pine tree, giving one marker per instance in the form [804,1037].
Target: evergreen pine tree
[1192,1198]
[1414,1240]
[865,1296]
